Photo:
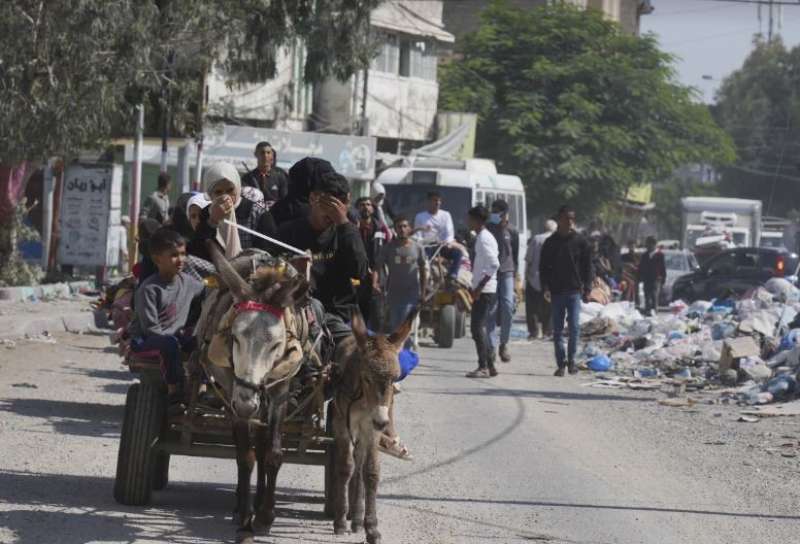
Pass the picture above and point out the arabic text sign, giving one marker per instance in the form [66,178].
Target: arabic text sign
[89,208]
[351,156]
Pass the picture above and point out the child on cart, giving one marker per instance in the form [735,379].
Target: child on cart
[162,304]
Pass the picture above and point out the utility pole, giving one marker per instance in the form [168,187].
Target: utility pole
[136,184]
[771,23]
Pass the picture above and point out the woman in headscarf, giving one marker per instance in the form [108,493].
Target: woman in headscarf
[218,221]
[301,178]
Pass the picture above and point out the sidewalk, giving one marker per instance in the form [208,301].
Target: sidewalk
[18,319]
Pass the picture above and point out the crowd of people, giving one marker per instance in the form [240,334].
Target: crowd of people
[358,261]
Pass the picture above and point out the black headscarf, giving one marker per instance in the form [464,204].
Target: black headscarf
[179,220]
[302,176]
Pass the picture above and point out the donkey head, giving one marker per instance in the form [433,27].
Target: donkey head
[379,366]
[257,327]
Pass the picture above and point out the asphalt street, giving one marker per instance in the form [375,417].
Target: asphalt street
[524,457]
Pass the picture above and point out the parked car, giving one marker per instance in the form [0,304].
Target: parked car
[679,262]
[734,271]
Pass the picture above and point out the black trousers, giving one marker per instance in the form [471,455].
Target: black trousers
[537,311]
[479,323]
[651,292]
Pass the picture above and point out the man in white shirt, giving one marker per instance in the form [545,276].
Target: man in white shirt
[435,225]
[484,291]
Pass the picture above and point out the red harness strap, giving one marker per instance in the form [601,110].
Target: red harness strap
[253,306]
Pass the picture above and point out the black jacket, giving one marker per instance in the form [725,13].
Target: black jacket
[275,185]
[508,248]
[566,264]
[338,258]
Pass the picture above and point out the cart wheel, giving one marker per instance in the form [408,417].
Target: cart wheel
[461,323]
[144,414]
[446,331]
[160,471]
[330,464]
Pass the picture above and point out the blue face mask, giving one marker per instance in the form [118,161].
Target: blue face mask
[494,219]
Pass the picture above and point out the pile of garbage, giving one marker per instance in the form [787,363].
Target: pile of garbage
[750,345]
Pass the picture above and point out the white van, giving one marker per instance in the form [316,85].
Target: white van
[462,184]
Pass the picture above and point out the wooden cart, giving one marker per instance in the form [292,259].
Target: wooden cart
[150,437]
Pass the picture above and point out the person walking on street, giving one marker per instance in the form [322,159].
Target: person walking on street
[436,225]
[374,235]
[484,291]
[267,177]
[652,273]
[537,309]
[401,268]
[508,245]
[156,207]
[566,276]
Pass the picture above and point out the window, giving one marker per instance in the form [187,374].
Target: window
[417,58]
[388,56]
[724,263]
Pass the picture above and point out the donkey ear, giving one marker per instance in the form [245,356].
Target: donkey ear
[359,329]
[230,278]
[290,293]
[398,337]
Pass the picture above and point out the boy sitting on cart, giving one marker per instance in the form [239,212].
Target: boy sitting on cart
[162,304]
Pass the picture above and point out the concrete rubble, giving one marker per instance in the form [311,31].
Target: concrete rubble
[746,351]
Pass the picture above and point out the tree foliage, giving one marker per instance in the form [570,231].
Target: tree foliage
[759,106]
[72,70]
[577,108]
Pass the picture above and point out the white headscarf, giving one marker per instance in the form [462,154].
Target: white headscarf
[199,200]
[227,235]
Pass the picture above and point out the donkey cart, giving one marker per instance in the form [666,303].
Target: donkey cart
[150,437]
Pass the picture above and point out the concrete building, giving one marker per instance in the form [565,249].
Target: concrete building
[463,16]
[395,100]
[284,102]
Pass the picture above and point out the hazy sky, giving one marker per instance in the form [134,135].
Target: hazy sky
[713,38]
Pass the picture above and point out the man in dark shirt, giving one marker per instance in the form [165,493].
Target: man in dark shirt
[338,257]
[653,273]
[508,245]
[566,275]
[267,177]
[374,234]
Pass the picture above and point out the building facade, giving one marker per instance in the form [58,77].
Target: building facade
[463,16]
[395,100]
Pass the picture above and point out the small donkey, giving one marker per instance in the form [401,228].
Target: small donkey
[368,368]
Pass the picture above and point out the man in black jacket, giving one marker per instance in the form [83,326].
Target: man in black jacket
[502,314]
[267,177]
[338,257]
[566,275]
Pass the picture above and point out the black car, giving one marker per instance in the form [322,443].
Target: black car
[734,272]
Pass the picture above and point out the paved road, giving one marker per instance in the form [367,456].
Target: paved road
[521,458]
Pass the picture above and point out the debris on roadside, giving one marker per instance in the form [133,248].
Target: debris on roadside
[747,351]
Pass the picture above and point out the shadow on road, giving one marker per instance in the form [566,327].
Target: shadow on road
[529,393]
[75,418]
[81,509]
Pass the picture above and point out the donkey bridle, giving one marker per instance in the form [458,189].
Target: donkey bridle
[252,306]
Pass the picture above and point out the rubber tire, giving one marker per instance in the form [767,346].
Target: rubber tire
[330,464]
[447,326]
[144,414]
[161,471]
[461,323]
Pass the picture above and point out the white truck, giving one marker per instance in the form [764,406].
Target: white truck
[730,222]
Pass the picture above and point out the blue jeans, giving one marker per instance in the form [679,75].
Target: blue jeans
[503,312]
[566,306]
[170,347]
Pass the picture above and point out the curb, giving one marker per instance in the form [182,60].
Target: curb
[76,322]
[46,291]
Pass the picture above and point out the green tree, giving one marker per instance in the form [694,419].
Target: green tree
[580,110]
[759,106]
[71,71]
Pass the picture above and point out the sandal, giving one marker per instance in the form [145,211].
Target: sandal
[395,449]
